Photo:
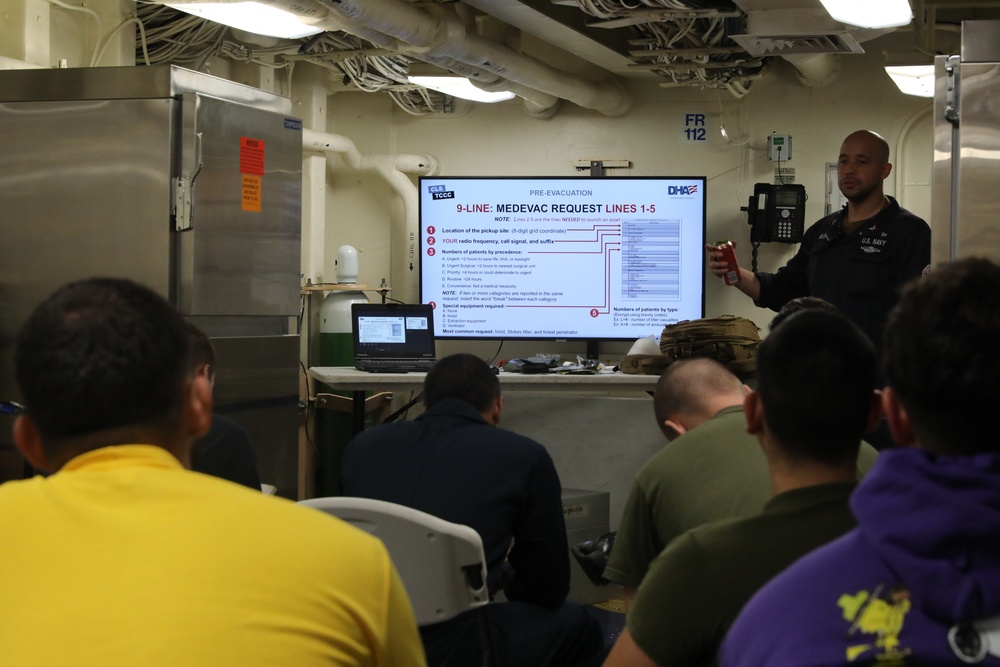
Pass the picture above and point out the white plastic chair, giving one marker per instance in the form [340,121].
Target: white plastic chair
[441,564]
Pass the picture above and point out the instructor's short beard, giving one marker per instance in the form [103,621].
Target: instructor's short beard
[860,196]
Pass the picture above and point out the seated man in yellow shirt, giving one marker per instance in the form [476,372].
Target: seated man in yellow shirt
[123,557]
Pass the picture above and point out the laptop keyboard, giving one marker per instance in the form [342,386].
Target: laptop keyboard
[395,366]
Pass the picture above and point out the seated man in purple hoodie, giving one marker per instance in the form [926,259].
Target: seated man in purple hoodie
[918,582]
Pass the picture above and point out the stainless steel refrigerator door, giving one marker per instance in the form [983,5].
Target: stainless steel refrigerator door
[84,191]
[239,253]
[943,214]
[967,147]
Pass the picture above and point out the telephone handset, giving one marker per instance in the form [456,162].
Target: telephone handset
[776,213]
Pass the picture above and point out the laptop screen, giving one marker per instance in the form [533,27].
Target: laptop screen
[393,330]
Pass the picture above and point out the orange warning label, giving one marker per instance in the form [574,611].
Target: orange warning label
[251,156]
[251,193]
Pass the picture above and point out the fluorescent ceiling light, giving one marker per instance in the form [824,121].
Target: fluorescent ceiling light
[913,79]
[870,13]
[459,86]
[254,17]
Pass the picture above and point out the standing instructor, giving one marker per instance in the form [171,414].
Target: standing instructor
[857,258]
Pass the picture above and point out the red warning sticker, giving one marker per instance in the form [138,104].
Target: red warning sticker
[251,156]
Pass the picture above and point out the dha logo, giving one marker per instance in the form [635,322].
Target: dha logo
[682,189]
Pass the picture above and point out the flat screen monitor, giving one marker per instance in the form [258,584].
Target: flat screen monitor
[549,258]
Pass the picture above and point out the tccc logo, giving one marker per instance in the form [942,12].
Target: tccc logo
[682,189]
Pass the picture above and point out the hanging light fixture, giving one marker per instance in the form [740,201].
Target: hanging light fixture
[459,86]
[870,13]
[913,79]
[255,17]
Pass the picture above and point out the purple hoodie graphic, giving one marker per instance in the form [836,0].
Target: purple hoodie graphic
[916,583]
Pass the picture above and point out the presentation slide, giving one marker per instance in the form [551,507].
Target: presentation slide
[561,258]
[381,330]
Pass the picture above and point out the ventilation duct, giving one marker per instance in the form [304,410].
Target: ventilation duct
[815,54]
[803,43]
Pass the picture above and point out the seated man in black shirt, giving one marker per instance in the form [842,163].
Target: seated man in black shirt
[453,462]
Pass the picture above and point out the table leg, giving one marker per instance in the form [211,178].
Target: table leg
[359,411]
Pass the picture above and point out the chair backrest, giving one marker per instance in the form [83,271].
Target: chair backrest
[441,563]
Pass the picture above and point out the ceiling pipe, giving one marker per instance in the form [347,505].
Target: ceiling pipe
[436,35]
[536,99]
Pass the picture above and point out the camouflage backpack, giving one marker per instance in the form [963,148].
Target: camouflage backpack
[730,340]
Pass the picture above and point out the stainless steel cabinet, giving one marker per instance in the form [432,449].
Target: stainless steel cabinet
[182,181]
[964,195]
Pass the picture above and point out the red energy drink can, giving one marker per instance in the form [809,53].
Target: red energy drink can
[732,275]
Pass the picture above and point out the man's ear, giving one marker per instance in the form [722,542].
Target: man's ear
[493,412]
[886,170]
[197,406]
[875,411]
[899,421]
[29,442]
[753,412]
[676,427]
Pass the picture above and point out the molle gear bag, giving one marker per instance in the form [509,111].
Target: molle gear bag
[644,364]
[730,340]
[645,358]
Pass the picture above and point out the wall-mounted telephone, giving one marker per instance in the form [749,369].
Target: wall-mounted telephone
[776,213]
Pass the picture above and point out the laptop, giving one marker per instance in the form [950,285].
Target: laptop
[393,337]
